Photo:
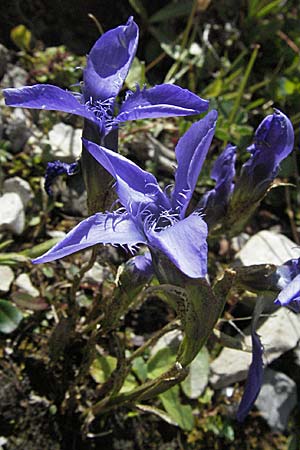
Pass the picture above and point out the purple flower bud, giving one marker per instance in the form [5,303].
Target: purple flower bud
[55,169]
[273,142]
[214,203]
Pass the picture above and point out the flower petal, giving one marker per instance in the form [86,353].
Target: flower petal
[291,293]
[287,272]
[254,380]
[140,268]
[164,100]
[214,202]
[273,141]
[135,186]
[57,168]
[111,228]
[109,61]
[184,244]
[191,151]
[48,97]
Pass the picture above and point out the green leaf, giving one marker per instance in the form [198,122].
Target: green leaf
[160,362]
[21,37]
[102,367]
[39,249]
[214,89]
[10,317]
[181,414]
[11,259]
[172,10]
[136,74]
[158,412]
[129,384]
[27,301]
[138,6]
[5,244]
[271,7]
[197,379]
[139,367]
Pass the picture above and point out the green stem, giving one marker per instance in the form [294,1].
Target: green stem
[184,41]
[174,325]
[77,280]
[243,85]
[144,392]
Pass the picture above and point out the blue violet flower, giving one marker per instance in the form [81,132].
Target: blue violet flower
[107,66]
[148,215]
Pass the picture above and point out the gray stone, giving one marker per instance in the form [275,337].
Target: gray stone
[3,60]
[17,129]
[6,278]
[12,216]
[171,339]
[15,77]
[24,283]
[3,441]
[56,234]
[297,354]
[279,333]
[267,247]
[1,126]
[277,399]
[74,195]
[65,142]
[238,242]
[230,367]
[94,275]
[20,187]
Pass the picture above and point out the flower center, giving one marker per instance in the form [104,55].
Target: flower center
[159,221]
[103,112]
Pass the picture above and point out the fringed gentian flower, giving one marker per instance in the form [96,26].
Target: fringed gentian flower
[149,215]
[289,282]
[287,279]
[214,202]
[107,66]
[273,142]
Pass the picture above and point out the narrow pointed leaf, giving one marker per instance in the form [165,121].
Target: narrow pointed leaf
[10,317]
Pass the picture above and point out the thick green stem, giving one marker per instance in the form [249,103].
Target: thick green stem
[98,182]
[146,391]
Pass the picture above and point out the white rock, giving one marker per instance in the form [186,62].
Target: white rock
[277,399]
[267,247]
[171,339]
[17,129]
[65,142]
[20,187]
[238,242]
[279,333]
[12,217]
[6,278]
[94,275]
[24,283]
[1,124]
[4,55]
[229,367]
[15,77]
[56,234]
